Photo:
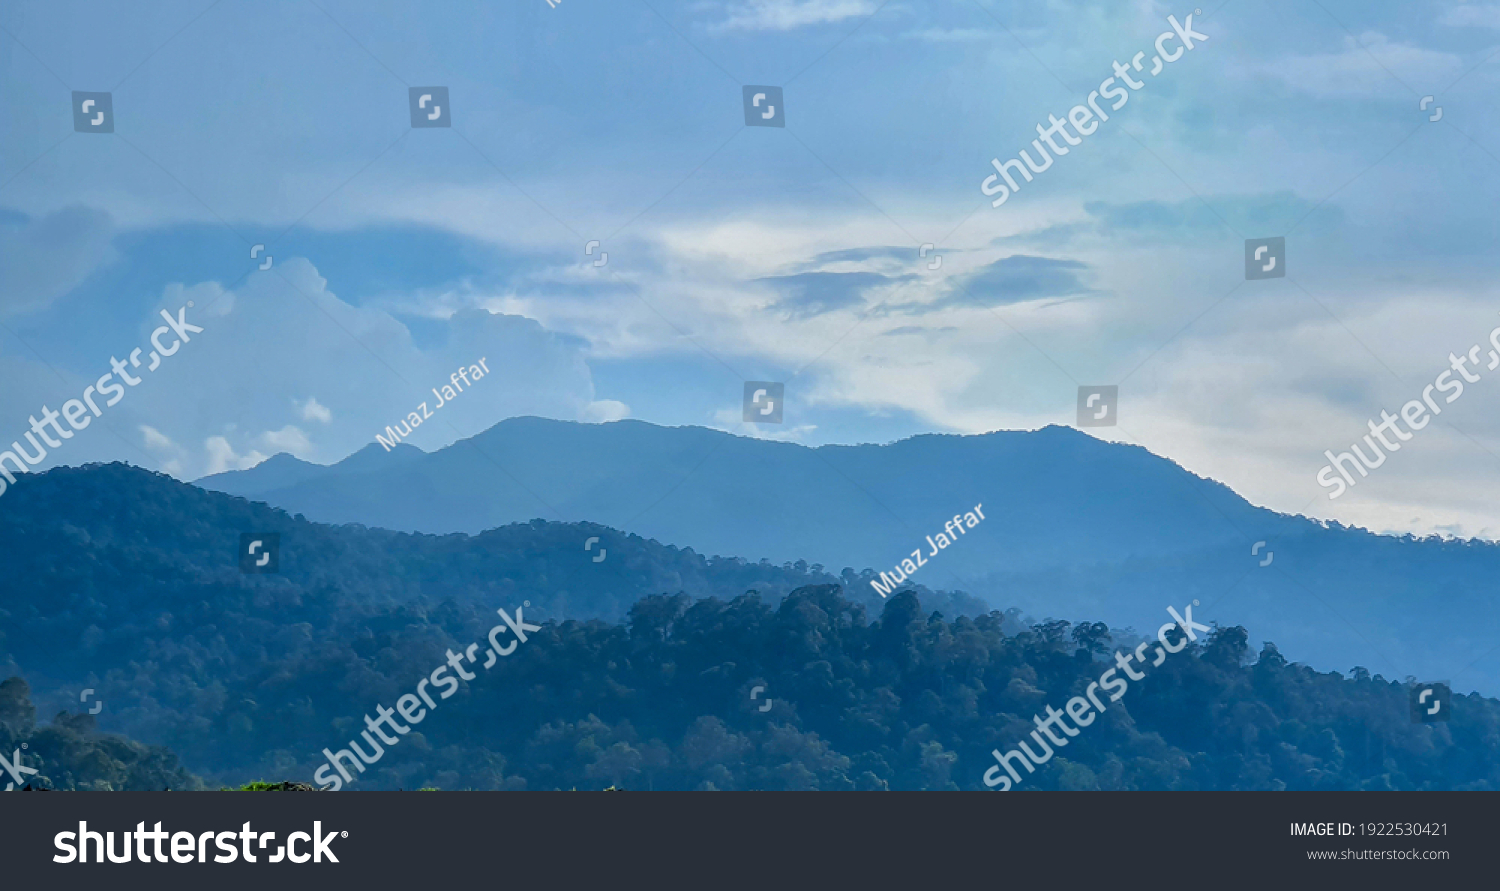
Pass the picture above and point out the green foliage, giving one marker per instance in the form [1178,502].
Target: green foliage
[71,755]
[662,702]
[125,581]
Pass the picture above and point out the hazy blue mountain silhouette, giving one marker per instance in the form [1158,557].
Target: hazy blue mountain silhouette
[128,581]
[865,505]
[1075,527]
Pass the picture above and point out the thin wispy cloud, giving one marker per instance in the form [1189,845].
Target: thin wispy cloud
[786,15]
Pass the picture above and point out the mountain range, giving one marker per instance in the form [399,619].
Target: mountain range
[1074,527]
[127,585]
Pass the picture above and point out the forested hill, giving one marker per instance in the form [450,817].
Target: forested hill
[70,754]
[115,542]
[127,582]
[668,700]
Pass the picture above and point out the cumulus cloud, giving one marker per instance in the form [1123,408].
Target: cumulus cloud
[222,456]
[287,439]
[156,439]
[606,410]
[158,442]
[283,332]
[240,386]
[312,411]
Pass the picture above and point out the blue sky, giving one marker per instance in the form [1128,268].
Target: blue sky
[742,253]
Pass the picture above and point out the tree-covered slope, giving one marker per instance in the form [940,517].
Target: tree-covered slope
[127,582]
[71,755]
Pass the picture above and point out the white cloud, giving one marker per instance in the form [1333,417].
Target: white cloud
[312,411]
[732,420]
[244,381]
[156,439]
[161,443]
[222,456]
[288,439]
[786,15]
[605,410]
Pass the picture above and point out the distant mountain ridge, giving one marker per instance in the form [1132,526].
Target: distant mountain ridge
[1076,527]
[859,506]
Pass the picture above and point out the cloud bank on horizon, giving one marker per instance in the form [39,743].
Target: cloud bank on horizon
[739,253]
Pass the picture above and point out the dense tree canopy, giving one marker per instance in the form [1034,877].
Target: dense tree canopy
[908,701]
[124,581]
[69,754]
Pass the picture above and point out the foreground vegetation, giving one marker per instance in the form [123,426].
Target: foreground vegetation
[905,701]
